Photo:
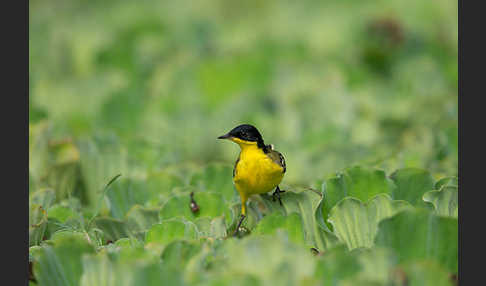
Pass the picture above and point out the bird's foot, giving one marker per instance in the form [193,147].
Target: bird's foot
[242,217]
[276,195]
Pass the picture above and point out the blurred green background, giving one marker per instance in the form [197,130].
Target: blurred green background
[329,83]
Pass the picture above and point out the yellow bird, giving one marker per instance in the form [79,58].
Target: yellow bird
[258,169]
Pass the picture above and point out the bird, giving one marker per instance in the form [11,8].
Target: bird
[258,169]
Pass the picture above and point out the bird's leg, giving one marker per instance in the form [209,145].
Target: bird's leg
[243,198]
[276,194]
[242,217]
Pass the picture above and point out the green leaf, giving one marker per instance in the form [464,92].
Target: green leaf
[124,194]
[203,225]
[425,273]
[63,167]
[101,159]
[336,264]
[170,230]
[160,184]
[216,178]
[37,224]
[60,213]
[98,271]
[210,205]
[134,268]
[39,135]
[447,181]
[420,234]
[412,183]
[113,229]
[356,223]
[359,182]
[128,243]
[178,253]
[44,198]
[376,265]
[60,264]
[218,228]
[445,200]
[304,202]
[236,279]
[271,258]
[291,223]
[39,202]
[139,219]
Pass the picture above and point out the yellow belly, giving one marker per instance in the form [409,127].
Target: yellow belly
[256,173]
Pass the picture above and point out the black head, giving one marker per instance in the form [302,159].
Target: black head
[245,132]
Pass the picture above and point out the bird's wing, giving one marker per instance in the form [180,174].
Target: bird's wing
[278,158]
[234,168]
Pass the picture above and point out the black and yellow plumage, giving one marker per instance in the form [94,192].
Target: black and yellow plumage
[258,169]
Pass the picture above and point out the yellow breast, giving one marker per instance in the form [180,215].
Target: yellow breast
[255,172]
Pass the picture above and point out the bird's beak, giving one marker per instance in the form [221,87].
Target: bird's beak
[225,136]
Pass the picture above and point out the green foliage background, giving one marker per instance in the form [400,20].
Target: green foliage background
[360,97]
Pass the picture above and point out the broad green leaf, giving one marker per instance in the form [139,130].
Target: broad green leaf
[447,181]
[424,272]
[98,271]
[153,274]
[271,258]
[170,230]
[356,223]
[216,178]
[60,264]
[100,159]
[376,265]
[445,200]
[68,234]
[420,234]
[113,229]
[160,185]
[44,198]
[60,213]
[123,194]
[304,202]
[203,225]
[63,167]
[34,252]
[236,279]
[336,264]
[39,135]
[210,205]
[359,182]
[291,223]
[412,183]
[178,253]
[39,202]
[128,243]
[139,219]
[37,224]
[218,228]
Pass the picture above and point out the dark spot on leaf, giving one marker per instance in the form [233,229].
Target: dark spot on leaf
[314,251]
[194,207]
[453,277]
[400,277]
[389,29]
